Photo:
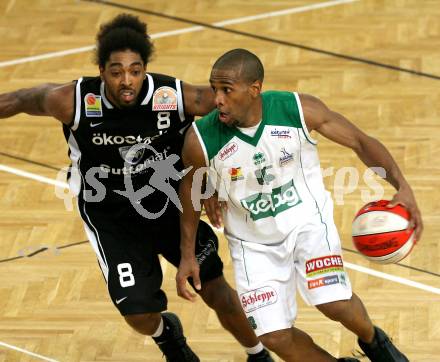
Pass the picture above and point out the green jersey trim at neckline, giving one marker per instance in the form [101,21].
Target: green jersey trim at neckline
[253,140]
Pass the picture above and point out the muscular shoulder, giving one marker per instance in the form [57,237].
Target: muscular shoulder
[192,153]
[314,110]
[59,102]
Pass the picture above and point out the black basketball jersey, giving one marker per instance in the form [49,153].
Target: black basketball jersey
[101,136]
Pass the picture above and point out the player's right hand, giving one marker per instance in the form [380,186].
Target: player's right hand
[188,268]
[213,208]
[406,198]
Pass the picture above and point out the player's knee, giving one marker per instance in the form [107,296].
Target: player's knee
[219,295]
[336,311]
[145,323]
[278,340]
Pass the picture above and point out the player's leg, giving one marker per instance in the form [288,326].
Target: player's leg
[294,345]
[352,314]
[133,274]
[373,341]
[323,283]
[266,285]
[217,293]
[219,296]
[144,323]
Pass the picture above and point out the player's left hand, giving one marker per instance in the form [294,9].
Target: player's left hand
[406,198]
[188,268]
[213,208]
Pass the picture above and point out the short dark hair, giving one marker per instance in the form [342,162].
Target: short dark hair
[248,64]
[124,32]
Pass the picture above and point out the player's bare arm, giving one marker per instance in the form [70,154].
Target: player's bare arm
[48,99]
[192,156]
[214,209]
[371,152]
[199,100]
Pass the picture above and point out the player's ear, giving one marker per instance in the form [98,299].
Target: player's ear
[255,88]
[101,72]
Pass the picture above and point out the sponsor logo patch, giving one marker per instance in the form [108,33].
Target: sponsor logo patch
[286,157]
[102,139]
[120,300]
[324,265]
[322,282]
[342,279]
[264,205]
[236,174]
[228,151]
[209,248]
[136,168]
[92,103]
[280,133]
[258,298]
[95,124]
[130,155]
[259,158]
[165,99]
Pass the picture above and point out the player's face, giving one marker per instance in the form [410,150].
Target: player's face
[234,97]
[123,75]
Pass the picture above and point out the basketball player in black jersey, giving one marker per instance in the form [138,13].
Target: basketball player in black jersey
[126,195]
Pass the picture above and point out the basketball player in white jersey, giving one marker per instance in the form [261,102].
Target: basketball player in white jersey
[279,217]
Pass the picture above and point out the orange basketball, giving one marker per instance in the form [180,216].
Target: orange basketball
[380,233]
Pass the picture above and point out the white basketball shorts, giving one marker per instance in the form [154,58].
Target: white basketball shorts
[309,259]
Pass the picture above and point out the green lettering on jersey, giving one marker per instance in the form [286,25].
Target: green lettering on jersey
[264,205]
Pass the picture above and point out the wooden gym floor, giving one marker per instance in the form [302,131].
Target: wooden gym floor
[375,61]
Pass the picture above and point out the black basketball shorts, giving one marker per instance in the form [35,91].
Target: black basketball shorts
[128,246]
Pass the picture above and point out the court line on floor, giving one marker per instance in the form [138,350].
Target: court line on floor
[27,160]
[271,40]
[164,34]
[33,176]
[392,278]
[359,268]
[27,352]
[410,267]
[383,275]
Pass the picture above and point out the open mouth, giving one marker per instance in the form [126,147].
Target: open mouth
[127,95]
[223,116]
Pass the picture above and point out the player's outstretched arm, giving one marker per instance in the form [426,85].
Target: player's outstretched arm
[199,100]
[372,153]
[192,156]
[44,100]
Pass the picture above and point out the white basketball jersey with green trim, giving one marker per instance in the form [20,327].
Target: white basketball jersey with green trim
[272,181]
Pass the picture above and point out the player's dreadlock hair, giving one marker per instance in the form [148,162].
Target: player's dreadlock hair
[247,64]
[123,32]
